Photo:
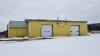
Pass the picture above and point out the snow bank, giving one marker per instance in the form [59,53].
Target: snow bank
[61,46]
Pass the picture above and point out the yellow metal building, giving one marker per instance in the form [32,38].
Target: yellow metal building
[46,28]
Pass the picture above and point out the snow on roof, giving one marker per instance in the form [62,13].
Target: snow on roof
[23,23]
[54,20]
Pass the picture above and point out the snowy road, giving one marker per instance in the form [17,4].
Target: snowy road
[65,46]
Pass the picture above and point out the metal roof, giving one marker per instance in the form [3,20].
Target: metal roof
[17,23]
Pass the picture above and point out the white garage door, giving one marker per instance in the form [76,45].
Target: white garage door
[75,31]
[46,31]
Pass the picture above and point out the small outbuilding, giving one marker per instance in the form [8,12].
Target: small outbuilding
[46,28]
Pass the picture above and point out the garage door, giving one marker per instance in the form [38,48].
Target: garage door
[75,31]
[46,31]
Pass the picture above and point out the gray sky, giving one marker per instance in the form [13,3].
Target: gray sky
[88,10]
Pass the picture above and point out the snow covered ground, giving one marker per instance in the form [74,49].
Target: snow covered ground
[61,46]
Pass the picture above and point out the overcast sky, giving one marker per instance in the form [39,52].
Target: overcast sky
[88,10]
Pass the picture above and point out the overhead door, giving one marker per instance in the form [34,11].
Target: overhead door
[75,31]
[46,31]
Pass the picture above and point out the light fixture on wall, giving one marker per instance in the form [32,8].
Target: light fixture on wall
[57,20]
[66,20]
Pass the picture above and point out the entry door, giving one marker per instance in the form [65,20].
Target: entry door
[75,31]
[46,31]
